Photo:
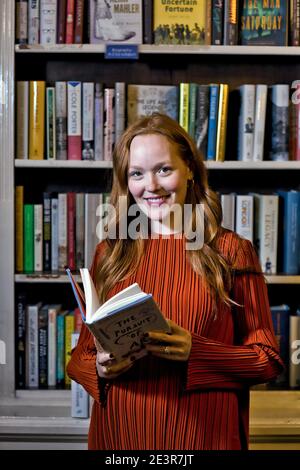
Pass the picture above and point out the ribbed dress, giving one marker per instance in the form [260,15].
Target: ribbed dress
[202,403]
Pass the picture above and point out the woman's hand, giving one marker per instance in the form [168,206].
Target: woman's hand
[175,346]
[107,366]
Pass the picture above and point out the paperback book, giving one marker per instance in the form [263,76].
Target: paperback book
[120,323]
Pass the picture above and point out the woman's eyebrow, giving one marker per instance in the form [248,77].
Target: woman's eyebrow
[136,167]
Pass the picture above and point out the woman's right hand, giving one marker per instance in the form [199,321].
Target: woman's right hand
[107,366]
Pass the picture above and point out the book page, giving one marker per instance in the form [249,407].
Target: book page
[91,297]
[127,292]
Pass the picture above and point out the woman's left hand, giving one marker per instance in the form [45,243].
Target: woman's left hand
[174,346]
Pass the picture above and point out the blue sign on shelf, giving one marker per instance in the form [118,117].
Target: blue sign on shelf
[121,51]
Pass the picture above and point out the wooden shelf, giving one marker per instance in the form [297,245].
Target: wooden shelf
[163,49]
[45,278]
[227,165]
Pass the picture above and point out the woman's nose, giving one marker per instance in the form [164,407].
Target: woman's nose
[152,183]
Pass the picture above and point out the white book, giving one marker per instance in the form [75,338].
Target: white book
[74,120]
[244,216]
[119,323]
[38,237]
[54,234]
[228,209]
[92,201]
[120,90]
[32,345]
[246,123]
[88,103]
[79,397]
[259,122]
[99,125]
[22,119]
[48,18]
[109,123]
[33,22]
[280,122]
[62,232]
[266,230]
[52,344]
[294,341]
[61,120]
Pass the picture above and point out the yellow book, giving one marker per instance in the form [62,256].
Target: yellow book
[69,330]
[36,119]
[222,123]
[179,22]
[184,97]
[19,202]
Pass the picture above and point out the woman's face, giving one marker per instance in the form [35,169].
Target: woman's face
[157,176]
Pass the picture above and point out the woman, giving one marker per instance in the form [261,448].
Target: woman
[192,390]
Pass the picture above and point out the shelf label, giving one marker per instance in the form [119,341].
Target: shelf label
[121,51]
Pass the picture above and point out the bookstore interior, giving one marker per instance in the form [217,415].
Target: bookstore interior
[72,77]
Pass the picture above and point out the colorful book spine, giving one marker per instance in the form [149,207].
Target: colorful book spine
[54,234]
[74,120]
[37,91]
[217,22]
[52,343]
[231,18]
[43,346]
[70,19]
[60,349]
[79,231]
[50,123]
[32,345]
[61,21]
[47,231]
[61,120]
[212,121]
[69,329]
[38,237]
[222,123]
[62,232]
[201,125]
[88,121]
[193,94]
[99,113]
[28,238]
[20,341]
[291,232]
[184,93]
[78,22]
[71,215]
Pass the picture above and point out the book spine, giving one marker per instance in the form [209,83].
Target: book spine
[201,127]
[148,22]
[61,120]
[212,121]
[280,123]
[99,112]
[28,238]
[69,329]
[266,228]
[61,21]
[70,21]
[38,237]
[222,123]
[244,216]
[62,232]
[217,22]
[33,22]
[296,153]
[228,211]
[291,234]
[193,92]
[52,315]
[246,123]
[21,341]
[43,346]
[71,230]
[50,123]
[231,22]
[88,121]
[109,123]
[184,91]
[280,319]
[79,20]
[54,234]
[74,120]
[32,343]
[36,119]
[259,122]
[47,231]
[21,21]
[79,230]
[79,397]
[48,15]
[19,196]
[22,119]
[119,109]
[208,23]
[60,350]
[294,341]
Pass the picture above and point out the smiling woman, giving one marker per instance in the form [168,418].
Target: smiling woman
[192,390]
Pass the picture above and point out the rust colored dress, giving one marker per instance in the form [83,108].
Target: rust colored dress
[202,403]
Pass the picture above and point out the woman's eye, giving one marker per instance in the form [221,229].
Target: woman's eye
[165,170]
[135,174]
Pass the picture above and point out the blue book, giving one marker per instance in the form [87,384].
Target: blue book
[291,231]
[120,323]
[212,121]
[281,322]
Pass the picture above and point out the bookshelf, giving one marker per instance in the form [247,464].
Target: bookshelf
[157,64]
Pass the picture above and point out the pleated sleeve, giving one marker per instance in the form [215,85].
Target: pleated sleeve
[82,364]
[253,358]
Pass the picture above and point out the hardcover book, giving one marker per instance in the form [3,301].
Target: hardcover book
[264,23]
[118,324]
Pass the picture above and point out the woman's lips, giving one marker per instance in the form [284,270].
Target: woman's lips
[156,201]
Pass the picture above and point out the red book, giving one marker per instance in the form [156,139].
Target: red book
[61,21]
[79,16]
[70,21]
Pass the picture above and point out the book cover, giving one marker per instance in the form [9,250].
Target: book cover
[264,23]
[37,93]
[74,120]
[119,324]
[294,341]
[179,23]
[280,318]
[116,21]
[143,100]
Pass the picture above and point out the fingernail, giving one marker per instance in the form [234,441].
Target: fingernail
[132,358]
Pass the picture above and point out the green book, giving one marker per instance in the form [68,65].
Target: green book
[28,238]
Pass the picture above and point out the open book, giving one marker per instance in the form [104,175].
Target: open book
[121,321]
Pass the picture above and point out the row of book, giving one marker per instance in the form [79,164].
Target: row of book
[287,332]
[272,223]
[216,22]
[60,232]
[82,120]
